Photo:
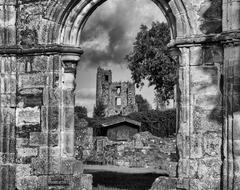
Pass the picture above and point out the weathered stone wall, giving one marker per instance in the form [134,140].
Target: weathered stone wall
[200,130]
[143,151]
[108,92]
[37,125]
[8,85]
[83,140]
[44,125]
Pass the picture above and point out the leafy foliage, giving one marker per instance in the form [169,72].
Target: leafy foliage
[142,103]
[80,112]
[150,60]
[159,123]
[99,110]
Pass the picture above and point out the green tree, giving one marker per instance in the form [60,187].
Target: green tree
[99,110]
[150,60]
[142,103]
[80,112]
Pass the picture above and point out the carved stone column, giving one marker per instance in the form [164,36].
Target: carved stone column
[200,127]
[231,130]
[69,64]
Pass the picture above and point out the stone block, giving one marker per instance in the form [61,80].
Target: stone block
[183,183]
[31,91]
[27,183]
[54,80]
[183,168]
[69,118]
[53,118]
[39,166]
[54,151]
[207,120]
[86,181]
[53,139]
[196,55]
[71,166]
[44,119]
[183,144]
[68,143]
[54,164]
[203,76]
[12,145]
[21,142]
[59,180]
[10,15]
[23,170]
[208,100]
[10,33]
[30,97]
[209,168]
[40,64]
[56,63]
[68,98]
[236,148]
[54,97]
[196,144]
[27,116]
[27,152]
[24,131]
[212,143]
[38,139]
[36,80]
[7,177]
[212,54]
[43,182]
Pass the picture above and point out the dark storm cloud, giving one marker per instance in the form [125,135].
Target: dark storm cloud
[111,30]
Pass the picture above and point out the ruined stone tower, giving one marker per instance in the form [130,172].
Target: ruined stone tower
[118,97]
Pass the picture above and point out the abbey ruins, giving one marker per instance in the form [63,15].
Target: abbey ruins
[40,49]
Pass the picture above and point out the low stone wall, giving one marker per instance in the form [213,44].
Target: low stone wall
[143,151]
[83,140]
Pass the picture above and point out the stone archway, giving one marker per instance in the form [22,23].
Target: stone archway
[39,48]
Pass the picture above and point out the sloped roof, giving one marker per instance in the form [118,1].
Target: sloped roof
[117,120]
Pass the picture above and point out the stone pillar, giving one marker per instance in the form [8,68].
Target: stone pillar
[200,126]
[44,122]
[69,165]
[7,96]
[69,64]
[231,130]
[7,122]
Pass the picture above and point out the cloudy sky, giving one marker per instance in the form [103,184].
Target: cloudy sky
[106,39]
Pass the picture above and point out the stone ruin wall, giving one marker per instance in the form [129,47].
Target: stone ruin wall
[107,93]
[143,151]
[44,145]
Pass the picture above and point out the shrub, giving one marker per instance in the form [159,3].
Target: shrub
[159,123]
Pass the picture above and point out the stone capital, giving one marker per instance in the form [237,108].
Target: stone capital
[69,62]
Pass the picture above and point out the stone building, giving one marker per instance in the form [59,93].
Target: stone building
[117,97]
[120,129]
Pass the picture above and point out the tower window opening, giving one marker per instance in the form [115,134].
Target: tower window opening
[118,90]
[106,78]
[118,101]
